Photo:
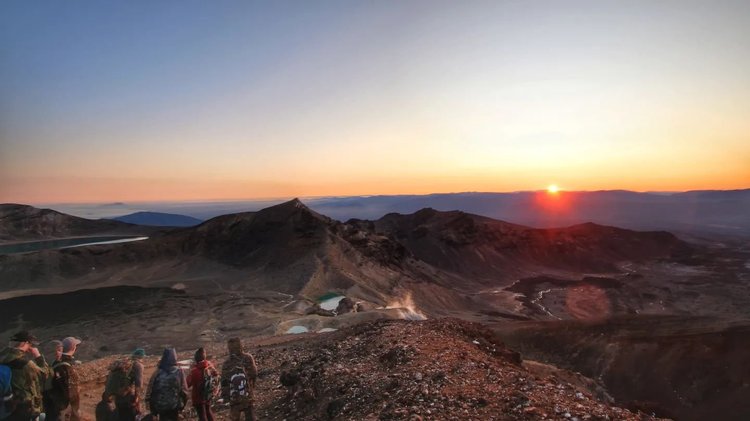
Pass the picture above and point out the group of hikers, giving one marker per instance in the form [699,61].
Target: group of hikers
[33,390]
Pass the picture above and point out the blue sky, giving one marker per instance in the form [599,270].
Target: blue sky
[197,100]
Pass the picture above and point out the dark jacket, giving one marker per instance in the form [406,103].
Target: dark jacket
[66,377]
[195,381]
[167,366]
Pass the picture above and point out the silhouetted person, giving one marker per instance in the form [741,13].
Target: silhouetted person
[202,381]
[238,375]
[128,400]
[66,387]
[50,409]
[26,376]
[167,390]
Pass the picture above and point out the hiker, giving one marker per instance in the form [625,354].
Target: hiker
[238,374]
[105,409]
[125,384]
[203,383]
[65,386]
[167,389]
[50,410]
[20,384]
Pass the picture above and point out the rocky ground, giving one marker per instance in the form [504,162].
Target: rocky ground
[399,370]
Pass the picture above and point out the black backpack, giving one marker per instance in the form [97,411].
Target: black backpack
[166,392]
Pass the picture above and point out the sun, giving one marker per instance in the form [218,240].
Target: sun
[553,189]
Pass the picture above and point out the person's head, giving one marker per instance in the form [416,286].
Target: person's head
[24,341]
[168,358]
[139,353]
[200,355]
[234,345]
[70,345]
[58,347]
[106,397]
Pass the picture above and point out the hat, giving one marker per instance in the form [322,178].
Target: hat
[69,343]
[25,336]
[139,353]
[56,344]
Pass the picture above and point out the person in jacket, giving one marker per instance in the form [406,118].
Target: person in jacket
[66,382]
[201,397]
[129,405]
[167,389]
[238,375]
[26,376]
[50,410]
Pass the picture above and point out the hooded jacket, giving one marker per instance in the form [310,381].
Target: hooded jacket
[168,365]
[26,377]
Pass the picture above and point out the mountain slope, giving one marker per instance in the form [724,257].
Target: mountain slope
[23,222]
[483,248]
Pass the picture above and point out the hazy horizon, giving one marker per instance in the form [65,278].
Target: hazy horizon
[191,101]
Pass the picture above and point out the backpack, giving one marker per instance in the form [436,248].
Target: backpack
[210,388]
[167,393]
[59,386]
[6,392]
[238,386]
[119,379]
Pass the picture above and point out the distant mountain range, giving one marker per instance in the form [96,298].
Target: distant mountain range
[159,219]
[711,211]
[27,223]
[724,212]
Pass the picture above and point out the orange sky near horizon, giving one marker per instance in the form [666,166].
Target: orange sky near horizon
[208,101]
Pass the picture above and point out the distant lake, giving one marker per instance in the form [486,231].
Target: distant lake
[63,243]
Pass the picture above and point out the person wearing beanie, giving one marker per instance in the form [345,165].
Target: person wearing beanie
[66,386]
[27,375]
[128,404]
[167,389]
[238,375]
[203,375]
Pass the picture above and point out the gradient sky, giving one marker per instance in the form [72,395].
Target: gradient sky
[144,100]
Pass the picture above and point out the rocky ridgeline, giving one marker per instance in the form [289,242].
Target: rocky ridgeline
[437,369]
[402,370]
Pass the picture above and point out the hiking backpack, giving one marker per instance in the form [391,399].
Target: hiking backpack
[119,379]
[210,388]
[166,393]
[6,392]
[239,390]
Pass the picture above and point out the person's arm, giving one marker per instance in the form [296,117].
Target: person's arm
[63,372]
[150,387]
[138,377]
[190,380]
[250,367]
[225,372]
[183,381]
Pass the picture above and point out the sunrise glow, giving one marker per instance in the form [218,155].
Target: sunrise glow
[134,101]
[552,189]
